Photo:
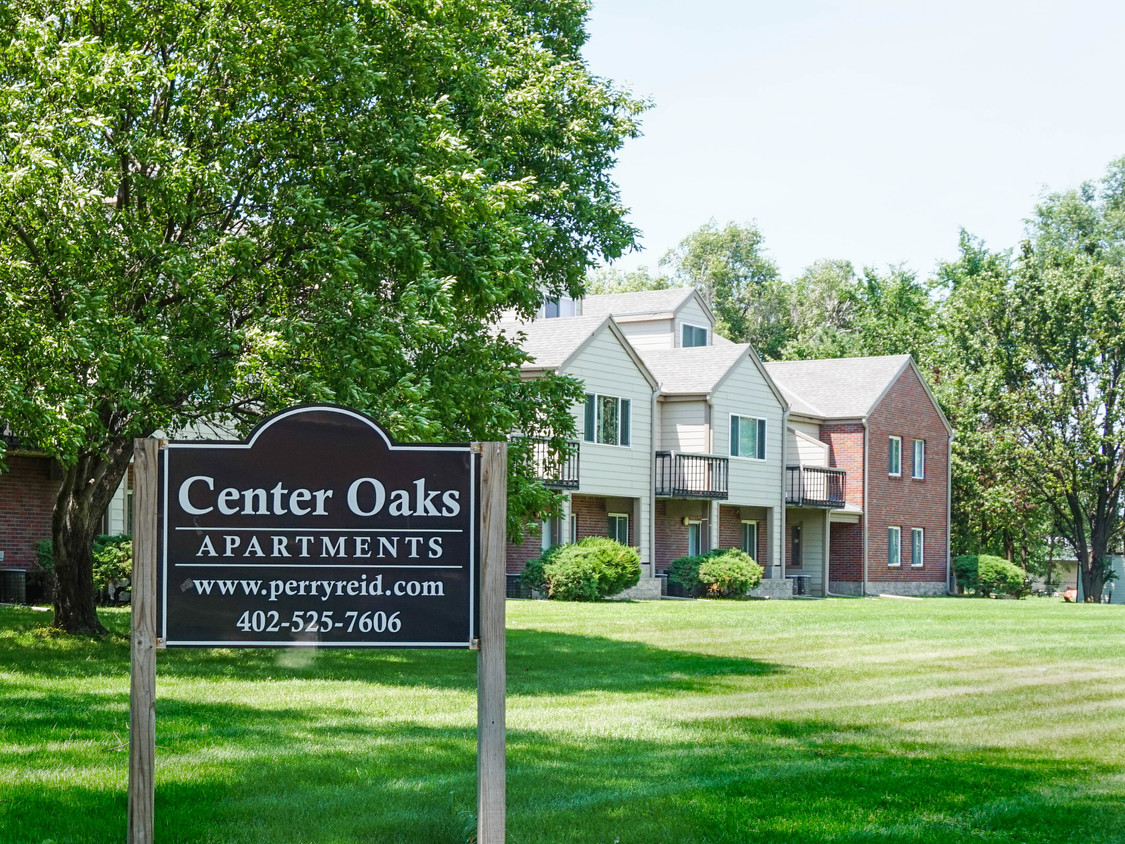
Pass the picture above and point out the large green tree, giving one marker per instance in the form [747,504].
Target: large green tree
[215,209]
[730,269]
[1036,348]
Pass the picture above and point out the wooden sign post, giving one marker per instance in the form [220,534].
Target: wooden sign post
[405,542]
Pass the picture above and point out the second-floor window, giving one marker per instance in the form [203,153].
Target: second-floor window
[693,335]
[918,469]
[748,437]
[894,456]
[607,419]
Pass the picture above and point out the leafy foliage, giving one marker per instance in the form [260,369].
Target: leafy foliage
[113,560]
[987,575]
[729,268]
[717,574]
[594,568]
[219,209]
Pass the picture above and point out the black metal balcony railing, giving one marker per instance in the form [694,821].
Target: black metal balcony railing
[691,475]
[814,486]
[556,472]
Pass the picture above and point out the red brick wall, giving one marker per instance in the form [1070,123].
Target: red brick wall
[845,451]
[907,412]
[845,554]
[27,498]
[730,531]
[518,555]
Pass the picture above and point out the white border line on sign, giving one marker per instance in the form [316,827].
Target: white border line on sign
[391,446]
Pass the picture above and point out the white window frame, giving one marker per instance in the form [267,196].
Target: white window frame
[612,517]
[592,421]
[917,547]
[750,526]
[894,547]
[761,426]
[894,456]
[918,465]
[700,549]
[573,528]
[684,326]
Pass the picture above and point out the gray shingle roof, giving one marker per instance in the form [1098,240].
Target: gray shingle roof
[841,388]
[641,302]
[551,342]
[693,370]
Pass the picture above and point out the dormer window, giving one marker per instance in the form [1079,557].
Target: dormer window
[559,306]
[693,335]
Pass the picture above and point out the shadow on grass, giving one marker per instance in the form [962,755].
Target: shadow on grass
[268,776]
[539,663]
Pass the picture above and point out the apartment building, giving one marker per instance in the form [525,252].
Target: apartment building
[776,459]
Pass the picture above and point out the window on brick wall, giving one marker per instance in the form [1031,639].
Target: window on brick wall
[918,467]
[750,539]
[695,539]
[894,456]
[573,527]
[917,546]
[894,546]
[619,527]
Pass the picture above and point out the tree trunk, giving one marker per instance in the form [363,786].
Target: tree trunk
[86,490]
[1093,578]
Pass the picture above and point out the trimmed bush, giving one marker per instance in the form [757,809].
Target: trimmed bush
[717,574]
[595,568]
[729,574]
[985,575]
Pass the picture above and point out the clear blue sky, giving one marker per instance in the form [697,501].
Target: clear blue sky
[870,130]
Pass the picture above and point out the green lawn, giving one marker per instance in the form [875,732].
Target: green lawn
[798,721]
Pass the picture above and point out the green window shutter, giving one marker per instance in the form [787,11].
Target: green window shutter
[626,419]
[761,455]
[589,433]
[734,436]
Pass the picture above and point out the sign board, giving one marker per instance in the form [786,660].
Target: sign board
[318,530]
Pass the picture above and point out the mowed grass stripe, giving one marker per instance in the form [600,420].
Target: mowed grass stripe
[804,721]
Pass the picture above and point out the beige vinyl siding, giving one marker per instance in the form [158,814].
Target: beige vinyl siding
[683,427]
[753,483]
[654,334]
[692,313]
[811,429]
[812,542]
[803,451]
[606,368]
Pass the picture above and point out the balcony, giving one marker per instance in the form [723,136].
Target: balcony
[554,470]
[814,486]
[691,475]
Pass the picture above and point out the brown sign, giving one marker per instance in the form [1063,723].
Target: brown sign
[318,530]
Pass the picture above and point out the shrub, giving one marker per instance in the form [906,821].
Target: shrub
[986,575]
[729,574]
[595,568]
[113,560]
[684,573]
[717,574]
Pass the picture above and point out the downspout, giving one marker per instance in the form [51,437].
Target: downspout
[779,545]
[949,587]
[712,507]
[866,503]
[654,446]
